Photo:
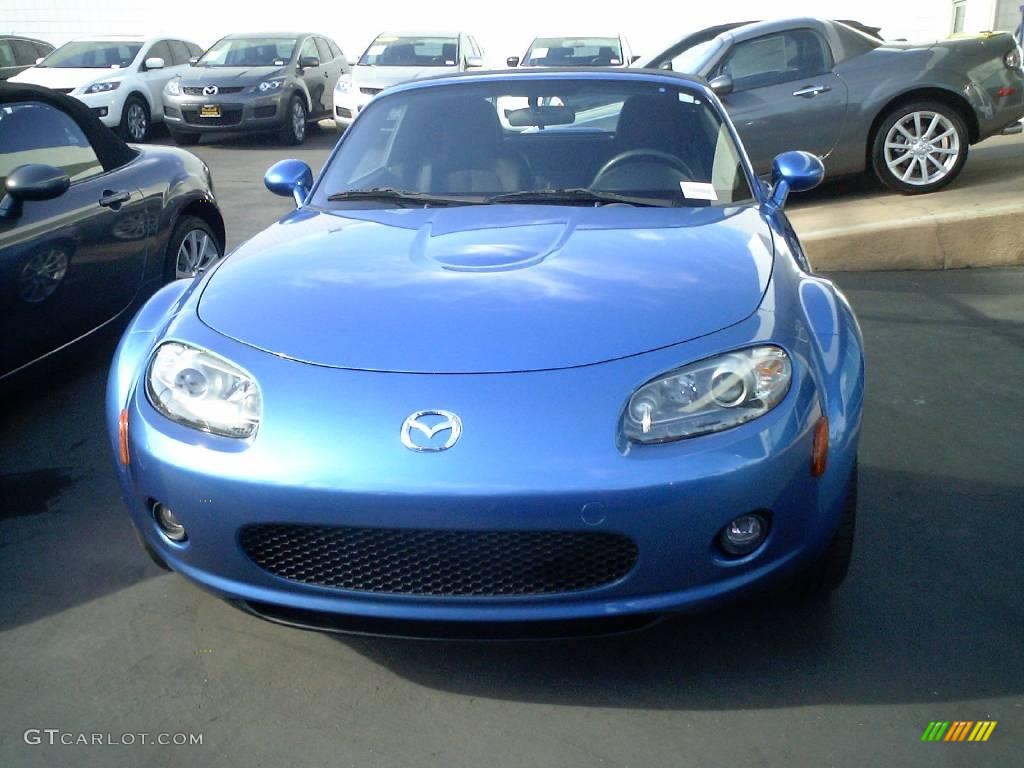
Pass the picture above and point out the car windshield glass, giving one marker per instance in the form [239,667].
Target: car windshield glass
[692,60]
[395,51]
[249,52]
[537,141]
[574,52]
[93,55]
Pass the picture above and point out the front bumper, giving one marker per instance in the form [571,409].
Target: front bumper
[534,457]
[106,106]
[240,111]
[348,105]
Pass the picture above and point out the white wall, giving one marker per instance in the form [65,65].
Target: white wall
[504,28]
[988,15]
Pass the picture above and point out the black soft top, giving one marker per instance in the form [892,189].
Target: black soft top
[110,150]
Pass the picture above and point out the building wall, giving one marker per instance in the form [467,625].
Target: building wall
[989,15]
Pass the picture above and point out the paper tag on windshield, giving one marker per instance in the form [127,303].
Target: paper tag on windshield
[615,62]
[539,53]
[697,191]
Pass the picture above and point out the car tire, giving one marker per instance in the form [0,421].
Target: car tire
[926,135]
[183,138]
[293,131]
[135,124]
[193,248]
[829,570]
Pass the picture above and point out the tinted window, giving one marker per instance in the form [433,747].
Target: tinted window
[24,52]
[574,52]
[309,49]
[194,49]
[180,52]
[249,52]
[395,51]
[6,54]
[43,49]
[779,58]
[663,144]
[324,49]
[335,50]
[93,55]
[33,132]
[161,50]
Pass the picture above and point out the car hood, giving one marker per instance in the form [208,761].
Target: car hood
[66,77]
[487,289]
[385,77]
[229,75]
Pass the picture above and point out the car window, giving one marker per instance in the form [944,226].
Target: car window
[34,132]
[179,51]
[666,144]
[336,52]
[574,52]
[85,54]
[324,49]
[6,54]
[194,49]
[161,50]
[249,52]
[395,51]
[24,52]
[309,49]
[42,50]
[779,58]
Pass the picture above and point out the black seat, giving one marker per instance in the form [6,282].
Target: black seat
[663,123]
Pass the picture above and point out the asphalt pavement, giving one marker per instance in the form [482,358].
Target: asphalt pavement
[929,626]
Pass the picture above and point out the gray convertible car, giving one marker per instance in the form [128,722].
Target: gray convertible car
[907,111]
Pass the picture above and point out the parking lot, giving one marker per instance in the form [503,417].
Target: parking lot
[927,627]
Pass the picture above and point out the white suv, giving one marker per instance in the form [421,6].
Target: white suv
[121,78]
[606,51]
[393,59]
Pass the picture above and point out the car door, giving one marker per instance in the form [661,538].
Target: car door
[330,66]
[313,77]
[785,95]
[70,264]
[154,80]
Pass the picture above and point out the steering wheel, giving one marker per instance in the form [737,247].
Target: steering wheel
[639,156]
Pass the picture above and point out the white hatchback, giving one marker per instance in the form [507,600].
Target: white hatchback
[121,78]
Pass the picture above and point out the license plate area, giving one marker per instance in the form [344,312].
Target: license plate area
[209,110]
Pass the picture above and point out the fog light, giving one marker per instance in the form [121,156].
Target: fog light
[743,535]
[170,525]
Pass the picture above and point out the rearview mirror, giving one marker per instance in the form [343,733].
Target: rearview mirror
[290,178]
[721,85]
[32,182]
[154,62]
[474,62]
[794,172]
[309,62]
[512,62]
[540,117]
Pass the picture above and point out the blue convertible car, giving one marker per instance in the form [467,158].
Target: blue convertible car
[535,348]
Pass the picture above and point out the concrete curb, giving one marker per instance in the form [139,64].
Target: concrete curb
[988,237]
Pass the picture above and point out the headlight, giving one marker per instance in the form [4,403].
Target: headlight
[200,390]
[102,87]
[709,396]
[344,84]
[270,85]
[174,87]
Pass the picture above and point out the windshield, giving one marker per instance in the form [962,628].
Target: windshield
[249,52]
[93,55]
[692,60]
[524,140]
[574,52]
[396,51]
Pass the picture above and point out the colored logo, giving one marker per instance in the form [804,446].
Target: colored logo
[958,730]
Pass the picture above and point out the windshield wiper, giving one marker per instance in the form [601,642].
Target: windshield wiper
[388,194]
[578,195]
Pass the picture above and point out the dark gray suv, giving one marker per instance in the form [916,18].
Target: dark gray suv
[265,82]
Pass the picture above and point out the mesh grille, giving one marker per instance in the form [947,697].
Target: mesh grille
[193,90]
[440,562]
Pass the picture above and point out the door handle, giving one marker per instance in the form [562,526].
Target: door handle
[811,91]
[114,199]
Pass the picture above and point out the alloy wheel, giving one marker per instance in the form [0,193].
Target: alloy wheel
[136,121]
[298,120]
[196,252]
[41,275]
[922,148]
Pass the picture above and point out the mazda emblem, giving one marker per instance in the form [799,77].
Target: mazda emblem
[420,429]
[210,90]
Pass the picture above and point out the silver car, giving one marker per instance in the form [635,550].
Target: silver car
[268,82]
[908,112]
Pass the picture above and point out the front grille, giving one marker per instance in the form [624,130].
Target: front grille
[370,91]
[343,112]
[194,90]
[228,116]
[450,563]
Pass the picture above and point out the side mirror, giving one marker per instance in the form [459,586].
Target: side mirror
[290,178]
[154,62]
[192,61]
[512,62]
[794,172]
[40,60]
[32,182]
[309,62]
[474,62]
[721,85]
[634,59]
